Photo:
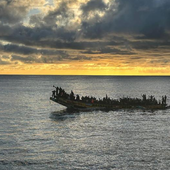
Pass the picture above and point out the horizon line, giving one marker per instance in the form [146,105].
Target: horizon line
[82,75]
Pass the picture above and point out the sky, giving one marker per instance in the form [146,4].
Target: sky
[85,37]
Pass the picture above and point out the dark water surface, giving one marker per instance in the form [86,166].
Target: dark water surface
[33,136]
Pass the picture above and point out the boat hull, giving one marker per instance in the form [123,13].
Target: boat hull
[83,106]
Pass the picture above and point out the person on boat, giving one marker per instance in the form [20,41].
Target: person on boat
[72,97]
[144,97]
[57,90]
[53,93]
[60,92]
[77,97]
[165,98]
[162,100]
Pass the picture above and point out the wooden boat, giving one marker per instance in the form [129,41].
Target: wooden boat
[89,106]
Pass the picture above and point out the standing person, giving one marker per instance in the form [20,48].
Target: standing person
[77,97]
[53,93]
[144,97]
[72,95]
[60,90]
[57,90]
[165,98]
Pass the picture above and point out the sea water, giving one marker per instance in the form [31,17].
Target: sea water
[36,133]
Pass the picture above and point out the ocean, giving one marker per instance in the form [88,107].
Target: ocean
[38,134]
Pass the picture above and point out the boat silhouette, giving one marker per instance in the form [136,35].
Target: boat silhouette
[73,102]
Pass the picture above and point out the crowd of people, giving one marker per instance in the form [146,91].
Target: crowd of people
[59,92]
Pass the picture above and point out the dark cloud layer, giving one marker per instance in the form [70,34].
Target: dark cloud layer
[148,18]
[93,5]
[10,14]
[45,59]
[100,29]
[18,49]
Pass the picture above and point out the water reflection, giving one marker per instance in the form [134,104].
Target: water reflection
[63,115]
[33,136]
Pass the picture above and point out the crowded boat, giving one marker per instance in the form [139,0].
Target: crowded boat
[75,102]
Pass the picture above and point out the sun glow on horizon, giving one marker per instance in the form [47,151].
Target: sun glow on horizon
[81,69]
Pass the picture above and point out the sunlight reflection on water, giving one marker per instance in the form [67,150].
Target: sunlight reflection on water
[37,134]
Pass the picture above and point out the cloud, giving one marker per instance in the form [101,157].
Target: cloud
[11,14]
[81,30]
[24,50]
[12,11]
[121,17]
[106,50]
[4,60]
[36,59]
[60,15]
[93,5]
[36,36]
[138,16]
[47,59]
[148,18]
